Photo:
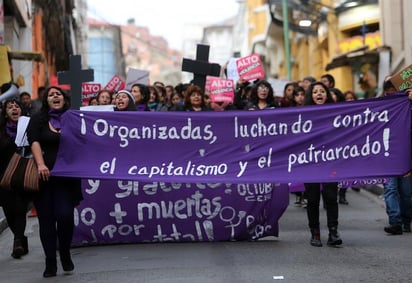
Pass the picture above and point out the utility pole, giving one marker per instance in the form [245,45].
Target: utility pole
[286,37]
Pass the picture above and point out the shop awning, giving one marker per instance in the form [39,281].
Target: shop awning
[356,57]
[27,56]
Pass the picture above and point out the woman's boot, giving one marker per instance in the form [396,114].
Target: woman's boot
[342,197]
[51,268]
[25,245]
[334,238]
[315,240]
[18,249]
[66,260]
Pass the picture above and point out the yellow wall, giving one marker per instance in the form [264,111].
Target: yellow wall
[311,54]
[5,74]
[342,75]
[257,19]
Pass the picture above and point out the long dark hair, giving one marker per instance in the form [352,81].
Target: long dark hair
[4,137]
[308,95]
[144,91]
[270,99]
[44,110]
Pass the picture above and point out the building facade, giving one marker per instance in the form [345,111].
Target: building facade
[39,37]
[358,42]
[144,51]
[105,54]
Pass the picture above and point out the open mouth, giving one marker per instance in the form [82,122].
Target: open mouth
[56,101]
[14,114]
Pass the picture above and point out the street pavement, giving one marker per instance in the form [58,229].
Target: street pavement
[367,255]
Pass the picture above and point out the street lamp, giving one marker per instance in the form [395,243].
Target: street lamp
[305,23]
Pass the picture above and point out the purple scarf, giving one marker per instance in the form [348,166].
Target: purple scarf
[54,116]
[141,107]
[11,129]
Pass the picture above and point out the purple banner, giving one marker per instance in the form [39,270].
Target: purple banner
[344,141]
[300,187]
[131,211]
[362,183]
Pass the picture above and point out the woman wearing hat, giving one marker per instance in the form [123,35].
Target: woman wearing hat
[124,101]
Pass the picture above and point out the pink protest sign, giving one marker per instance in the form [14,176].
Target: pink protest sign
[221,90]
[89,90]
[250,67]
[116,83]
[207,84]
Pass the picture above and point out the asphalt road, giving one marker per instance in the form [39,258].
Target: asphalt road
[367,255]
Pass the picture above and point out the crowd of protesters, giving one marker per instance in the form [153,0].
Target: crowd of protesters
[56,201]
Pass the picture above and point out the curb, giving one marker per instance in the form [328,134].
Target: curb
[375,189]
[3,224]
[374,193]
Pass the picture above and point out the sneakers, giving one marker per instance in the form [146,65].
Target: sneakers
[394,229]
[304,203]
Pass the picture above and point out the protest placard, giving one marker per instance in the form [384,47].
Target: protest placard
[115,84]
[403,79]
[220,89]
[89,90]
[278,86]
[136,76]
[250,67]
[231,70]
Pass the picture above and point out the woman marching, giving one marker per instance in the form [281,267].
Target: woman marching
[318,94]
[14,201]
[58,196]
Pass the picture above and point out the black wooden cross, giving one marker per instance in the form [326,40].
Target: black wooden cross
[201,66]
[75,77]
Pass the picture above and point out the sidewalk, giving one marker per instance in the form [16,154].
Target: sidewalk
[3,223]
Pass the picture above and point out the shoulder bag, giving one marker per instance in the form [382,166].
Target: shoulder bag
[21,172]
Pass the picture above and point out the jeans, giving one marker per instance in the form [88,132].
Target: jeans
[398,200]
